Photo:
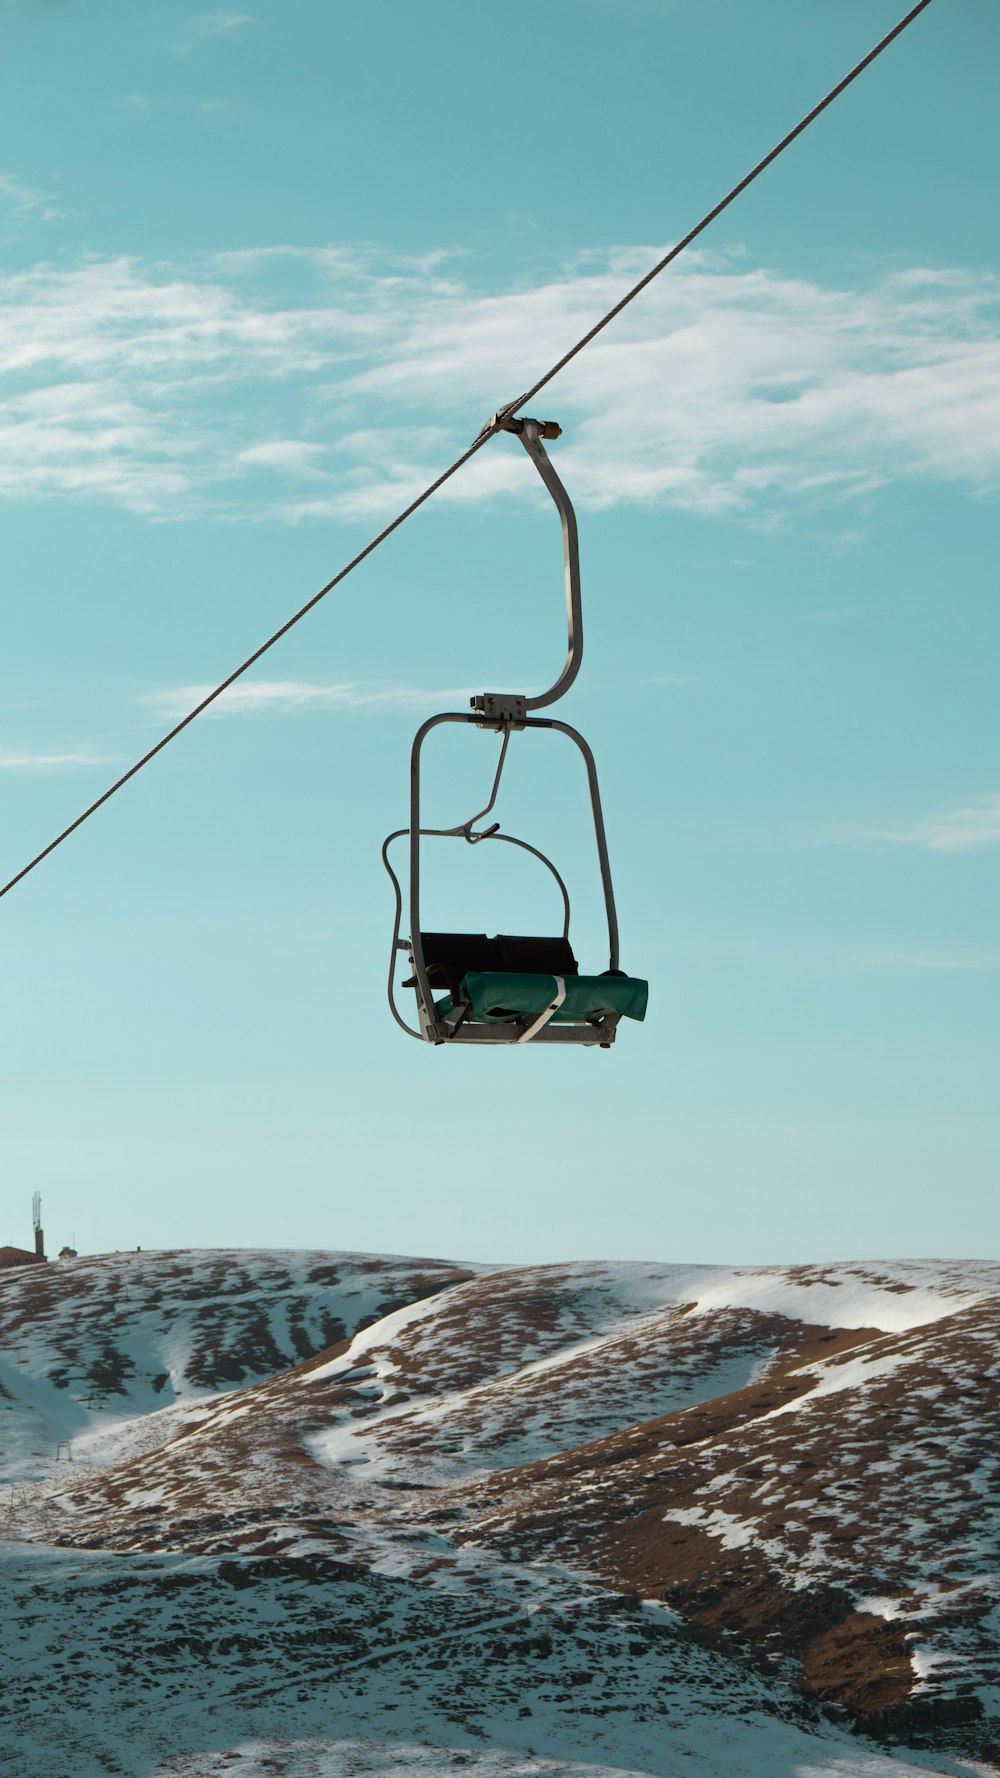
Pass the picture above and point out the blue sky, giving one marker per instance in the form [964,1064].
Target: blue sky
[264,273]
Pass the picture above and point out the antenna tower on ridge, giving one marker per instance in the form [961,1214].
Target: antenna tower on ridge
[36,1216]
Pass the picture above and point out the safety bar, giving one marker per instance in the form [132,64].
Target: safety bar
[451,833]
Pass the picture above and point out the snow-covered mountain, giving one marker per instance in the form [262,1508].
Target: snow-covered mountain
[335,1513]
[94,1344]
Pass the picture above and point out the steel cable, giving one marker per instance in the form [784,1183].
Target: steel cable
[487,432]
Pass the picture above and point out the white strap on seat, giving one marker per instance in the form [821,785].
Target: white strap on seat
[544,1017]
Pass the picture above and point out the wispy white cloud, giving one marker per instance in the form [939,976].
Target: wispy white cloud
[955,830]
[251,696]
[216,24]
[936,962]
[334,383]
[14,761]
[291,456]
[25,199]
[965,829]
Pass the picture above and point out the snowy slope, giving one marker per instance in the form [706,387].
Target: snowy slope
[90,1343]
[184,1668]
[605,1517]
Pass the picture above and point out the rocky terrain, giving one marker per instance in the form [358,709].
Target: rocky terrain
[317,1514]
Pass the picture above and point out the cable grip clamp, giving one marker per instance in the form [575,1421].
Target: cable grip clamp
[506,420]
[499,708]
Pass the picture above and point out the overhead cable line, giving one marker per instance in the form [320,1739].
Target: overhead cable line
[487,432]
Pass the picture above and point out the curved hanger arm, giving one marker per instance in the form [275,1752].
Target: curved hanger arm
[510,706]
[531,433]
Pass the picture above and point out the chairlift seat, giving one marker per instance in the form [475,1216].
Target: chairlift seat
[510,977]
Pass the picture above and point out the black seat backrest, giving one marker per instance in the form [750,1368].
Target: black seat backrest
[537,956]
[448,956]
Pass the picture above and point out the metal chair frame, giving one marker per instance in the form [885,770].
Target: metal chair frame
[506,713]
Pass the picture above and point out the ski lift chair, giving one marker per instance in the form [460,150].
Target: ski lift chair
[512,988]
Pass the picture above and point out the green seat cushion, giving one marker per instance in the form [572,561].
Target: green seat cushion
[498,996]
